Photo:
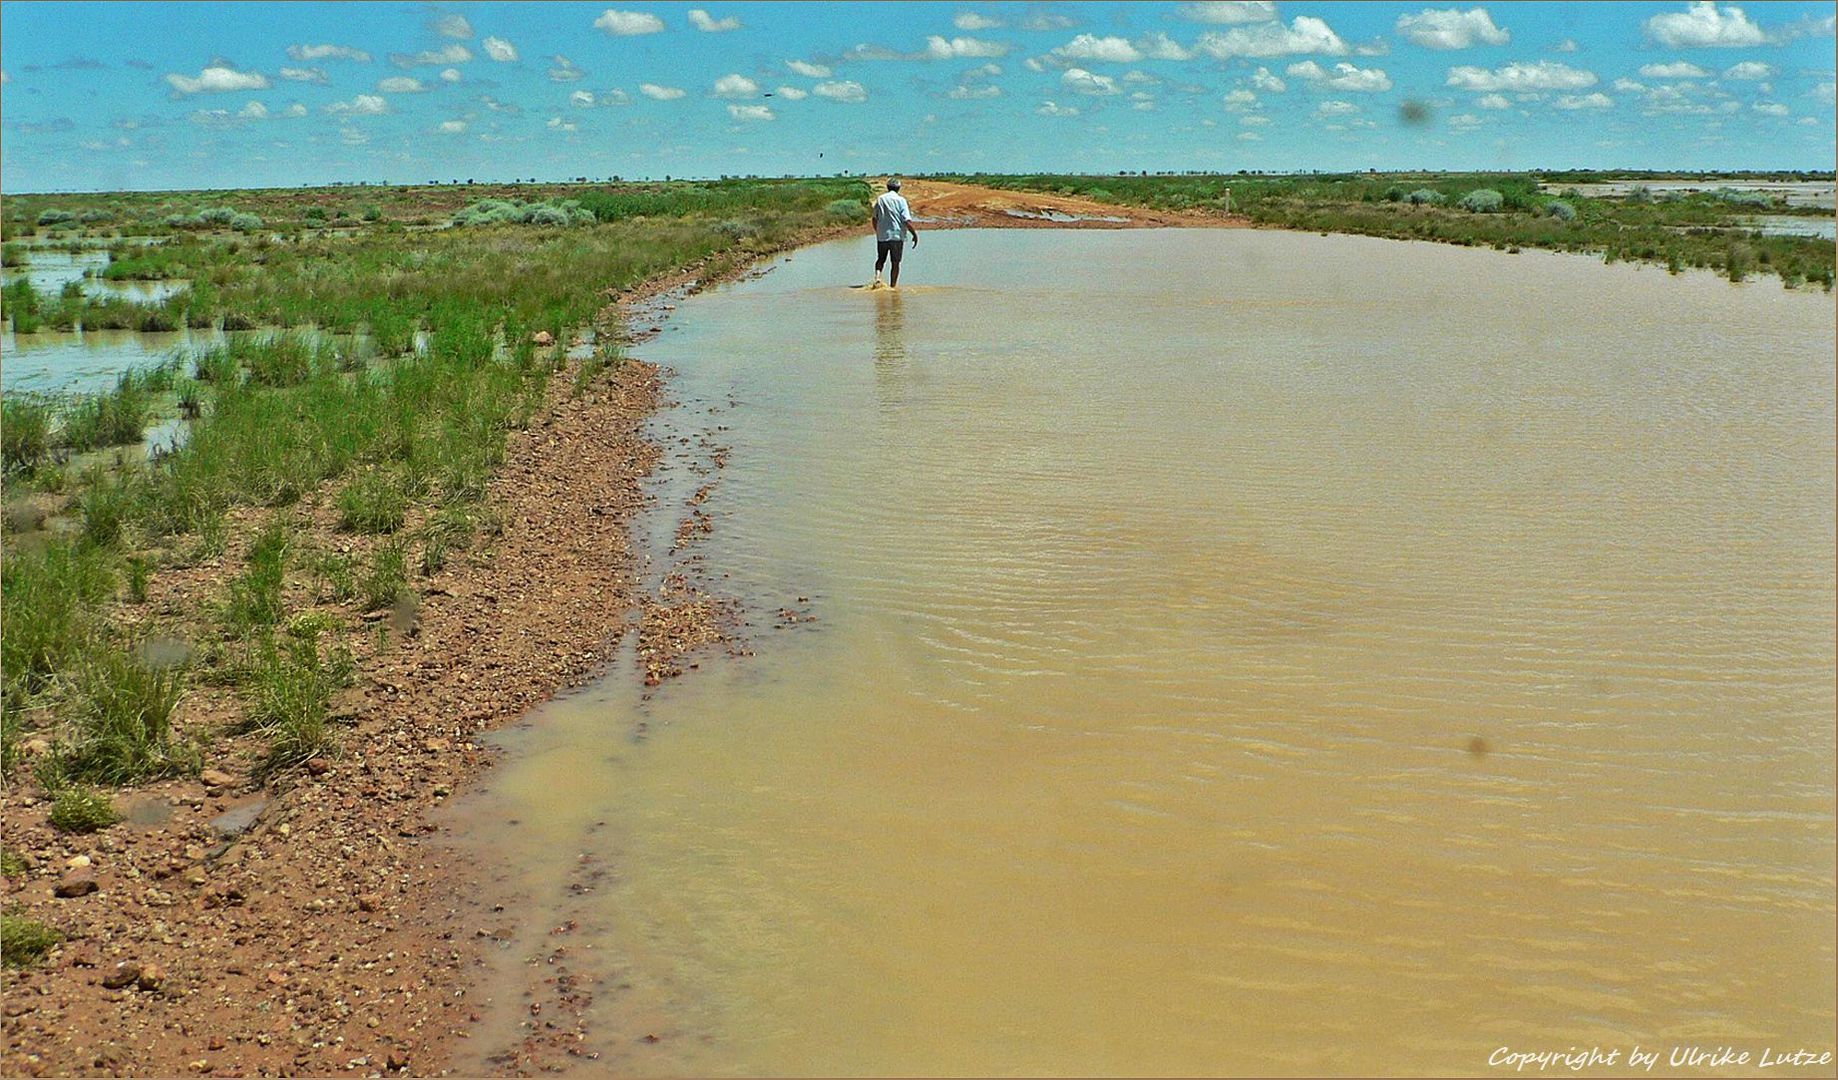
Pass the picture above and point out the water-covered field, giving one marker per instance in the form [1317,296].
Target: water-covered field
[1216,652]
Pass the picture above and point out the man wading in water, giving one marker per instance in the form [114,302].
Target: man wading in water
[893,220]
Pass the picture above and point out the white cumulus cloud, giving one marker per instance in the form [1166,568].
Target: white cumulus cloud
[1749,71]
[1263,80]
[361,105]
[294,111]
[1770,108]
[968,93]
[1596,100]
[218,78]
[452,26]
[970,20]
[1080,81]
[1522,76]
[1088,47]
[1344,77]
[660,93]
[845,90]
[1336,108]
[1228,12]
[1451,28]
[1678,69]
[450,75]
[791,93]
[306,74]
[1156,45]
[1304,34]
[1053,108]
[400,84]
[451,127]
[1493,101]
[751,112]
[1704,25]
[808,69]
[708,24]
[327,52]
[938,48]
[499,49]
[562,69]
[735,86]
[628,23]
[453,53]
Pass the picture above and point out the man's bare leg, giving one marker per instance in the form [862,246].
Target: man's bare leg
[893,276]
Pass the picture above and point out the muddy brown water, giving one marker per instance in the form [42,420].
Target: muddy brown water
[1229,652]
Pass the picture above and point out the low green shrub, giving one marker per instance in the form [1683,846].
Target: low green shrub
[77,809]
[24,941]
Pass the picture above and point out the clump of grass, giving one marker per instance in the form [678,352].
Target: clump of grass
[140,571]
[25,432]
[387,577]
[449,529]
[77,809]
[24,941]
[48,598]
[106,506]
[293,686]
[115,418]
[124,717]
[13,864]
[337,576]
[373,502]
[1739,261]
[255,595]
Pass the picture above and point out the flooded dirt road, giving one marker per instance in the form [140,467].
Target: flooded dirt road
[1204,652]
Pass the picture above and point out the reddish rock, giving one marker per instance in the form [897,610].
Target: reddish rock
[78,882]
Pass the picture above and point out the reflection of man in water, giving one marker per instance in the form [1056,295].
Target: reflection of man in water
[890,368]
[893,220]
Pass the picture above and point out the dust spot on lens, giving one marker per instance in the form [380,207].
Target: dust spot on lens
[1414,113]
[1479,747]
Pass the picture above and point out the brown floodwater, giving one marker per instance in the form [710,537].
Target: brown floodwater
[1228,652]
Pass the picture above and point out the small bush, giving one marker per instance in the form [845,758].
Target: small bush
[1482,201]
[1640,193]
[23,941]
[1562,211]
[79,810]
[511,212]
[1394,193]
[47,603]
[1425,197]
[845,210]
[55,217]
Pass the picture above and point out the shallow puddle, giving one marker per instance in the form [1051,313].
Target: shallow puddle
[1213,652]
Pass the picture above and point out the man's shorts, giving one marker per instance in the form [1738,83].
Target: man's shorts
[885,249]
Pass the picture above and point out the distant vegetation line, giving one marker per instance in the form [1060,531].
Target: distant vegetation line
[1506,211]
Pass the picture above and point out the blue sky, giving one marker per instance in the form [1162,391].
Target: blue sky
[181,95]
